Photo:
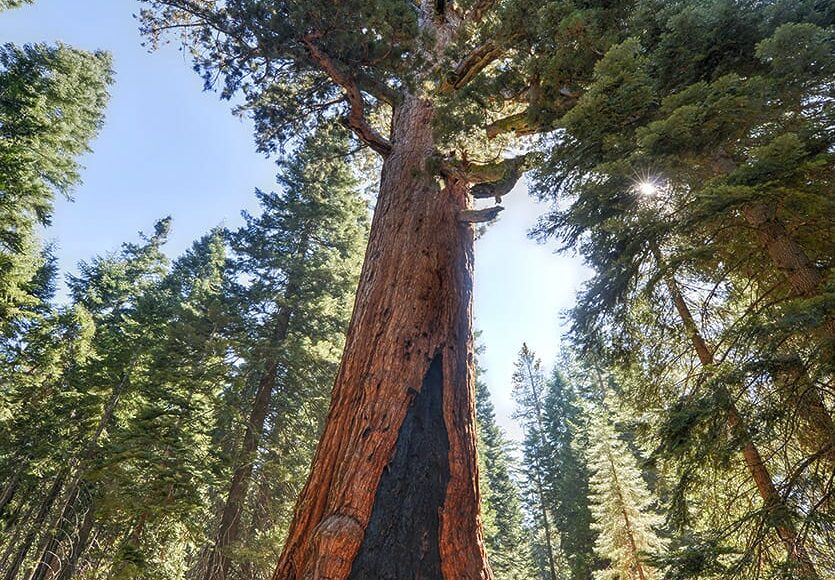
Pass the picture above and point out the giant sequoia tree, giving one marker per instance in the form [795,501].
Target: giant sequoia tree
[297,264]
[393,489]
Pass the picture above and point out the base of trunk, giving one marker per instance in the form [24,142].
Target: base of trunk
[401,540]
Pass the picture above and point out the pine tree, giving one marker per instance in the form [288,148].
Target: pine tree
[108,317]
[529,391]
[689,137]
[52,101]
[507,540]
[622,507]
[298,261]
[567,479]
[162,460]
[696,141]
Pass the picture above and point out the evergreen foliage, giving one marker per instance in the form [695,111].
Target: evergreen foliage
[293,277]
[508,542]
[118,450]
[567,478]
[9,4]
[52,101]
[529,392]
[692,175]
[622,506]
[160,422]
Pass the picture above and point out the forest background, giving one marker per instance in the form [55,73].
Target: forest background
[168,148]
[161,400]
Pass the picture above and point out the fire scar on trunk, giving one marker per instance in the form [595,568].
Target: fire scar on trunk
[402,537]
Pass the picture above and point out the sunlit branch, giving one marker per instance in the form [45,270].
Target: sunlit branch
[356,119]
[474,63]
[517,123]
[479,9]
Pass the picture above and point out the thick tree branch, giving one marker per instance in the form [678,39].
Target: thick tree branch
[496,179]
[478,216]
[493,172]
[479,9]
[356,119]
[517,123]
[378,89]
[474,63]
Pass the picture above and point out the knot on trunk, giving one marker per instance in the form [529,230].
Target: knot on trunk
[335,542]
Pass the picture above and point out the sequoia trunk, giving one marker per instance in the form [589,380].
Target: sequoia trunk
[393,491]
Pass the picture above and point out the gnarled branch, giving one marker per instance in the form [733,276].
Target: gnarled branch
[517,123]
[493,172]
[475,62]
[356,119]
[496,179]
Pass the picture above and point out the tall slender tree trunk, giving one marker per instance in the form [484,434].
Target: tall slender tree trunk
[633,546]
[540,422]
[772,500]
[50,562]
[9,490]
[393,491]
[552,567]
[218,564]
[36,526]
[82,539]
[19,526]
[804,280]
[49,559]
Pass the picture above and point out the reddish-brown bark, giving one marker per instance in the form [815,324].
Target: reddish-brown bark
[804,281]
[413,307]
[773,502]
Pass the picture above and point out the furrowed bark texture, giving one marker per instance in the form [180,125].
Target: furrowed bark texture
[411,492]
[403,402]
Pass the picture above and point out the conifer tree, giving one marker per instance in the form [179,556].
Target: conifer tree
[529,391]
[52,101]
[162,459]
[507,540]
[109,317]
[567,478]
[622,507]
[697,140]
[298,262]
[447,75]
[689,137]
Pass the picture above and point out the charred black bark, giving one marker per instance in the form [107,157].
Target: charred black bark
[402,537]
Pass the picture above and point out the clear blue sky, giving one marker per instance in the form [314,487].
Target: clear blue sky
[170,149]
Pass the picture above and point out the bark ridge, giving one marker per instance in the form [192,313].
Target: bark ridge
[401,540]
